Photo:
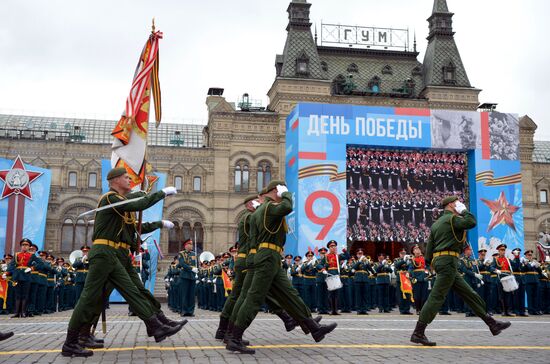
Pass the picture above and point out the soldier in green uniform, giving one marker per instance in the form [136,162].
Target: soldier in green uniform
[50,301]
[321,287]
[187,263]
[268,230]
[309,272]
[35,282]
[81,267]
[401,264]
[247,247]
[383,270]
[468,267]
[346,293]
[296,276]
[446,241]
[113,227]
[60,273]
[361,270]
[42,283]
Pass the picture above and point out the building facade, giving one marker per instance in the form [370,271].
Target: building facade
[240,149]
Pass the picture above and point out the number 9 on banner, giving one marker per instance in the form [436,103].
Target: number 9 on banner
[326,222]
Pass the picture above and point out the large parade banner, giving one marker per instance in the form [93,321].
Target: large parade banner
[343,162]
[25,191]
[152,240]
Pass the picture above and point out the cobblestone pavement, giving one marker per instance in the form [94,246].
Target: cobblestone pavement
[373,338]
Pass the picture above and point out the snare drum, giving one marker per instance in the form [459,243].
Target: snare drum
[509,283]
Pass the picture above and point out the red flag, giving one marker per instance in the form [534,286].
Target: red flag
[4,291]
[227,284]
[406,285]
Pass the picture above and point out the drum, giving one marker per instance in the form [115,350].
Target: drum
[333,282]
[509,283]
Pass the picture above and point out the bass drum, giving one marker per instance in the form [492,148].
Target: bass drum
[333,282]
[509,283]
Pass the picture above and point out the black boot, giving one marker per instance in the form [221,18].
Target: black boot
[5,335]
[495,326]
[290,323]
[96,339]
[17,309]
[166,321]
[158,330]
[418,335]
[222,328]
[318,332]
[85,340]
[304,327]
[236,342]
[71,347]
[229,334]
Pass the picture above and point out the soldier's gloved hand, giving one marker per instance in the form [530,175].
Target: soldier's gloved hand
[195,270]
[281,189]
[27,270]
[478,276]
[4,276]
[325,272]
[167,280]
[167,224]
[169,190]
[460,207]
[255,204]
[497,271]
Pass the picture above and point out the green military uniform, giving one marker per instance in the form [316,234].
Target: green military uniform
[187,261]
[111,228]
[401,265]
[444,246]
[362,270]
[268,229]
[309,274]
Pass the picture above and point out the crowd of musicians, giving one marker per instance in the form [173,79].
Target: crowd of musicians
[38,283]
[375,284]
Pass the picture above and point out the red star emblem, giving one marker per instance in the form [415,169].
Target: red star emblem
[17,180]
[501,212]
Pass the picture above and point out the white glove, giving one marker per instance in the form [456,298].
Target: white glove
[27,270]
[4,276]
[478,276]
[353,270]
[497,271]
[195,270]
[167,224]
[281,189]
[255,204]
[167,280]
[523,260]
[169,190]
[460,207]
[325,272]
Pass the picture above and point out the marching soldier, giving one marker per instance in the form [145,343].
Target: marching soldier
[268,229]
[447,239]
[187,262]
[20,271]
[113,227]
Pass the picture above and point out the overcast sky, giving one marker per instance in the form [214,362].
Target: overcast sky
[77,58]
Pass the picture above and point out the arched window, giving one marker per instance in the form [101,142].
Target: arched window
[543,196]
[92,180]
[175,238]
[74,235]
[186,231]
[449,73]
[264,175]
[72,179]
[178,183]
[387,70]
[353,68]
[197,184]
[241,176]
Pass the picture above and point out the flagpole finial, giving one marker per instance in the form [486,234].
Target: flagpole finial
[153,26]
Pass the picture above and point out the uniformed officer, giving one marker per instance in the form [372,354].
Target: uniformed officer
[112,227]
[297,277]
[446,241]
[42,287]
[20,271]
[468,268]
[81,267]
[346,293]
[401,264]
[187,262]
[419,274]
[501,265]
[485,290]
[544,288]
[531,281]
[321,287]
[50,292]
[331,266]
[383,270]
[268,229]
[309,272]
[361,271]
[35,282]
[518,266]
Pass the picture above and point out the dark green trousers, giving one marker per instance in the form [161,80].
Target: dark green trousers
[236,289]
[270,278]
[105,267]
[448,277]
